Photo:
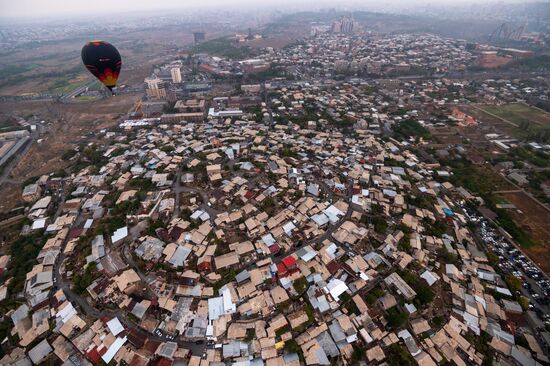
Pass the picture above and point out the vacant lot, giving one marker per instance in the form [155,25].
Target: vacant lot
[69,125]
[534,220]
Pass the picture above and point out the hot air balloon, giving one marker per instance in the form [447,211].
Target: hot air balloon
[103,61]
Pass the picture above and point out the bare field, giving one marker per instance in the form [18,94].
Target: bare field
[70,125]
[534,219]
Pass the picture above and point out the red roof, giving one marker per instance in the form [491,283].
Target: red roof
[274,248]
[281,269]
[249,194]
[163,362]
[204,266]
[333,266]
[105,319]
[289,261]
[74,233]
[94,356]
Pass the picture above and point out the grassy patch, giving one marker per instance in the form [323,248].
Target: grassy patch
[537,158]
[63,86]
[532,123]
[223,47]
[85,98]
[519,113]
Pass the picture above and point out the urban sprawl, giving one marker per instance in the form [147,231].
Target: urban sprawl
[328,211]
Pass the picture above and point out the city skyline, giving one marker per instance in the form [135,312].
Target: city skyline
[35,9]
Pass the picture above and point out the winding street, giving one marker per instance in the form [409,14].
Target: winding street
[91,312]
[178,188]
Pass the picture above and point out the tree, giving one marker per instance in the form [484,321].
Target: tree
[396,319]
[513,283]
[300,285]
[81,282]
[493,258]
[380,225]
[424,294]
[524,302]
[397,356]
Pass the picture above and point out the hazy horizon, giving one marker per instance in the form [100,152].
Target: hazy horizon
[36,9]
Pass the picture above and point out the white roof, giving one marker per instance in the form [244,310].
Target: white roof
[196,214]
[119,234]
[333,213]
[42,203]
[410,308]
[288,227]
[503,290]
[228,305]
[215,307]
[430,277]
[331,250]
[320,219]
[179,256]
[38,224]
[307,253]
[115,326]
[66,313]
[336,288]
[112,351]
[268,239]
[366,336]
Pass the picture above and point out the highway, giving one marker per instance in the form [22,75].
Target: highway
[18,155]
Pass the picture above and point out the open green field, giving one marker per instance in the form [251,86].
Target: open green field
[519,113]
[66,88]
[223,47]
[85,98]
[95,86]
[530,123]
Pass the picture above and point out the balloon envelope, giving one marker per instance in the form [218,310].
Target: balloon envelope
[103,61]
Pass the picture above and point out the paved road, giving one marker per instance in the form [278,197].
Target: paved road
[10,165]
[77,91]
[90,311]
[81,302]
[178,188]
[94,313]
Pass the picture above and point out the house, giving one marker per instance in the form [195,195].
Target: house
[31,192]
[387,301]
[226,260]
[119,235]
[40,352]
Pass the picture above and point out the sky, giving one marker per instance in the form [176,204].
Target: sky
[62,8]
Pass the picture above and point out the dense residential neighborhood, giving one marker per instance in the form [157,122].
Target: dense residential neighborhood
[307,219]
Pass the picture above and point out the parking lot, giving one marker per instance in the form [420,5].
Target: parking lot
[535,284]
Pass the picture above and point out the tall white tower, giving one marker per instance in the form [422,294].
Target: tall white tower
[176,75]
